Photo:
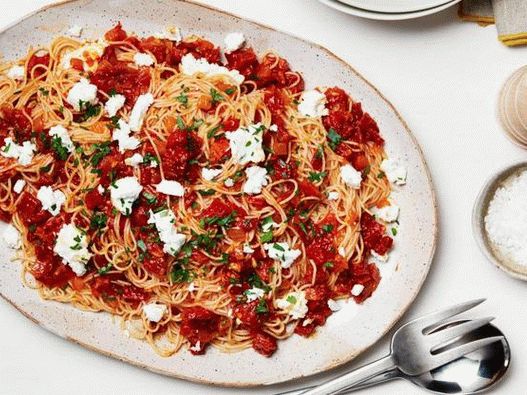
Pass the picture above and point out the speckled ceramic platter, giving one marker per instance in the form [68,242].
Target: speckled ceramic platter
[349,331]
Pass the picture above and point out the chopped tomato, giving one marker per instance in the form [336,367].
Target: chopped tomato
[246,313]
[30,210]
[264,343]
[199,326]
[373,234]
[37,65]
[218,149]
[244,60]
[230,124]
[116,34]
[17,121]
[205,102]
[155,261]
[94,199]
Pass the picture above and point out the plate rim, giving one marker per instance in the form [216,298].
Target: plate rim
[379,16]
[386,10]
[335,363]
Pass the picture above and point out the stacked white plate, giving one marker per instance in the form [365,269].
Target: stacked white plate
[390,9]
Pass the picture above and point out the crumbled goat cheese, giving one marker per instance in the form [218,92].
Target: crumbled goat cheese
[506,219]
[247,249]
[333,195]
[357,289]
[342,251]
[172,33]
[256,180]
[100,189]
[61,132]
[154,312]
[395,173]
[246,144]
[143,59]
[134,161]
[334,305]
[269,225]
[124,192]
[114,104]
[19,185]
[75,31]
[282,253]
[294,303]
[233,41]
[350,176]
[313,104]
[229,182]
[139,111]
[273,128]
[82,92]
[23,153]
[72,247]
[191,287]
[51,200]
[379,257]
[190,66]
[210,174]
[16,73]
[123,138]
[165,224]
[387,213]
[254,294]
[196,347]
[170,187]
[11,237]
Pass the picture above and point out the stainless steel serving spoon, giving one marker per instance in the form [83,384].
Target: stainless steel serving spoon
[472,373]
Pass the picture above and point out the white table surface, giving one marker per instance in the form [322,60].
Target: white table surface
[443,76]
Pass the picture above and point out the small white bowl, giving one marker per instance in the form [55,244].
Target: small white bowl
[478,222]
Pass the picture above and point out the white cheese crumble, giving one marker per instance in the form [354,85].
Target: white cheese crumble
[379,257]
[89,54]
[165,224]
[506,219]
[313,104]
[19,185]
[143,59]
[388,213]
[357,289]
[191,287]
[246,144]
[247,249]
[11,236]
[123,138]
[72,247]
[124,192]
[254,294]
[51,200]
[172,33]
[114,104]
[171,188]
[229,182]
[333,195]
[210,174]
[100,189]
[282,253]
[16,73]
[75,31]
[266,227]
[196,347]
[139,111]
[350,176]
[154,312]
[342,251]
[334,305]
[62,133]
[273,128]
[82,91]
[294,303]
[395,173]
[190,66]
[134,161]
[23,153]
[233,41]
[256,180]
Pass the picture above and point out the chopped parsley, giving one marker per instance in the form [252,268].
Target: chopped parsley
[315,176]
[99,152]
[44,91]
[180,123]
[230,90]
[98,221]
[216,96]
[149,158]
[141,244]
[211,133]
[266,237]
[262,308]
[183,99]
[291,299]
[381,174]
[328,265]
[327,228]
[89,109]
[334,138]
[105,269]
[394,231]
[60,150]
[220,221]
[180,274]
[206,192]
[150,199]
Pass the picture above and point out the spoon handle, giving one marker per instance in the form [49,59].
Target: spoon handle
[380,378]
[352,378]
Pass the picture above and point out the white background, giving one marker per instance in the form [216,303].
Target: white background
[444,77]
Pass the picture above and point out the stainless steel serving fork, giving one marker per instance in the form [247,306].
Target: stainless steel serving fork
[417,347]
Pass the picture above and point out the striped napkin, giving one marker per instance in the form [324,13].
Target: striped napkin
[510,17]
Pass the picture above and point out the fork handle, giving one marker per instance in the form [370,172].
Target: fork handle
[354,377]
